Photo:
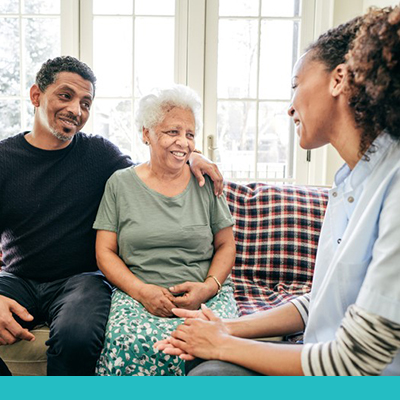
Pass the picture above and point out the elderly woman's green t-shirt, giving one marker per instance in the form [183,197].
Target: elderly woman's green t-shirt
[163,240]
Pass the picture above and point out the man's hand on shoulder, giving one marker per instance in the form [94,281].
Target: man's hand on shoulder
[200,166]
[10,330]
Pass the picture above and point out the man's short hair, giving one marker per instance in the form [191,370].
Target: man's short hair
[49,71]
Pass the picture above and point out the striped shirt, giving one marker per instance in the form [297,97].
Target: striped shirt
[364,345]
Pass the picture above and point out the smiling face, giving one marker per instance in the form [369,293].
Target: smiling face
[173,140]
[312,107]
[64,107]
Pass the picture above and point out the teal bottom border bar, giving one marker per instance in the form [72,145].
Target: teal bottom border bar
[205,388]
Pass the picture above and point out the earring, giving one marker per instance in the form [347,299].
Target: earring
[147,143]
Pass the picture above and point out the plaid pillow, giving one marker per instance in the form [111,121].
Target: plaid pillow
[276,231]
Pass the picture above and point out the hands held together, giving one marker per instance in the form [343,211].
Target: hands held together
[202,335]
[189,295]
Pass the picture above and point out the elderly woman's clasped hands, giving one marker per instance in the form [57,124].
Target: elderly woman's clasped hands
[161,301]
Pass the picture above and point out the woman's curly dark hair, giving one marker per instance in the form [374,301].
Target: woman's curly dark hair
[332,46]
[374,75]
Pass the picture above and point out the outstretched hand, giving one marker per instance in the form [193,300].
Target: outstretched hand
[182,313]
[166,345]
[197,337]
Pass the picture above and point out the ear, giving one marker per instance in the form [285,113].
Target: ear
[145,135]
[34,94]
[338,80]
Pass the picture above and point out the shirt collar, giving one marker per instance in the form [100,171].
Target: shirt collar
[354,178]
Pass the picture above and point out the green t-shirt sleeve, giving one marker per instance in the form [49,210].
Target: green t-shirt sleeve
[107,216]
[221,217]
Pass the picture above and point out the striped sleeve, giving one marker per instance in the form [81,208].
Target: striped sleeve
[365,344]
[302,303]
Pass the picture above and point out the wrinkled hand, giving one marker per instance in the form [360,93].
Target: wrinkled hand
[157,300]
[195,293]
[10,330]
[199,338]
[201,165]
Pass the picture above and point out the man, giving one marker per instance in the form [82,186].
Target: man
[52,179]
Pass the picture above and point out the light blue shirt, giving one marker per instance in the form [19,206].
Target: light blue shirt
[358,258]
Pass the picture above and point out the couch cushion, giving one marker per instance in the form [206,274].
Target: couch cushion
[276,231]
[27,358]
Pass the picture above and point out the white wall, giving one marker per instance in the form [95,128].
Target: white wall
[344,10]
[379,3]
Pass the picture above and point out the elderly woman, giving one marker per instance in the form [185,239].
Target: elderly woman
[352,317]
[163,241]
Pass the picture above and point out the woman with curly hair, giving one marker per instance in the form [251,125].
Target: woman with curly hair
[352,315]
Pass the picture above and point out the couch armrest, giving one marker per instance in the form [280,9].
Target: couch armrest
[27,358]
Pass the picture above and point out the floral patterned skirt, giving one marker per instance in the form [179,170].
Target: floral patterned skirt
[131,332]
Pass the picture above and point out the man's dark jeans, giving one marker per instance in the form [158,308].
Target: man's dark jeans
[76,310]
[4,371]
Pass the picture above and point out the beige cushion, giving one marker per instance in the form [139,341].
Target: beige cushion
[27,358]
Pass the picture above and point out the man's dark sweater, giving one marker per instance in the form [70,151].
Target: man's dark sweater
[48,203]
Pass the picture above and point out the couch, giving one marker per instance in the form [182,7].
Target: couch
[276,231]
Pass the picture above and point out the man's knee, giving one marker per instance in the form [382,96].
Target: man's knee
[74,346]
[77,326]
[80,315]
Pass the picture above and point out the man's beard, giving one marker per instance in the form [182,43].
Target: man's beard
[61,136]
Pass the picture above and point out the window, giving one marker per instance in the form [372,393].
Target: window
[131,49]
[257,45]
[237,54]
[29,35]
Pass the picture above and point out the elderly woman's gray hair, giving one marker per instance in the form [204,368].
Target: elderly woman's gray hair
[153,107]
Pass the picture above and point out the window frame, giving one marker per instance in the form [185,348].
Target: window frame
[310,10]
[195,60]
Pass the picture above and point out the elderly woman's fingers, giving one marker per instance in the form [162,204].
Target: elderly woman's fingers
[167,306]
[181,288]
[185,302]
[168,295]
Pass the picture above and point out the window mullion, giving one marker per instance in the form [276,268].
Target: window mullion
[70,29]
[210,81]
[258,93]
[196,51]
[86,42]
[22,67]
[301,170]
[181,40]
